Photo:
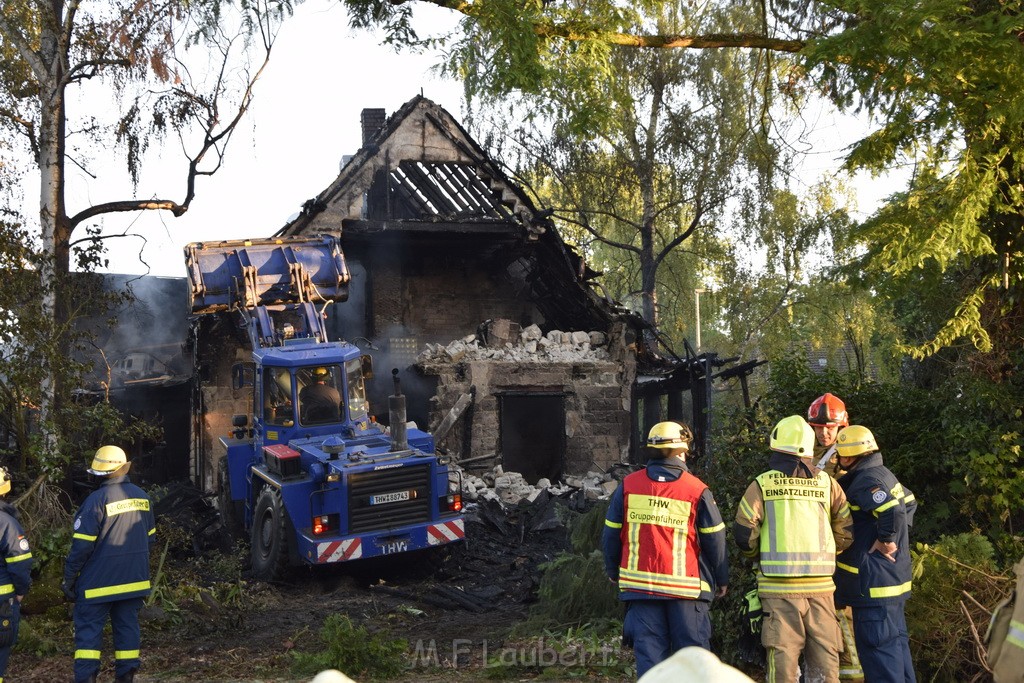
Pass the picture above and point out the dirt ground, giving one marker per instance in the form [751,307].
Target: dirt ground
[454,612]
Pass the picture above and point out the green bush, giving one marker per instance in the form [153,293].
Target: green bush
[573,587]
[956,582]
[352,650]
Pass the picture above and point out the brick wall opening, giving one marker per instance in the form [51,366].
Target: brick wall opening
[532,434]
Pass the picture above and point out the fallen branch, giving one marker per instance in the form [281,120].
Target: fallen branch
[979,650]
[979,605]
[966,566]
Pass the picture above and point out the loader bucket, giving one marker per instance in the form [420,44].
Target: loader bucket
[247,273]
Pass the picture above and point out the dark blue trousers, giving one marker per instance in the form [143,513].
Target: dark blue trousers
[15,617]
[659,628]
[883,643]
[90,617]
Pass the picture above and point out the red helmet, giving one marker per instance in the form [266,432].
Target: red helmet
[828,410]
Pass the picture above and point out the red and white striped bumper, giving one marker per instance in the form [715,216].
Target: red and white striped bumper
[446,532]
[339,551]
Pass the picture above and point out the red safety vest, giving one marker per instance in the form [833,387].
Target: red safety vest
[659,536]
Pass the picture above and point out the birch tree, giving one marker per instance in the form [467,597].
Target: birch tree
[132,57]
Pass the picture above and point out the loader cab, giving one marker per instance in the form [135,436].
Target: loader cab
[313,396]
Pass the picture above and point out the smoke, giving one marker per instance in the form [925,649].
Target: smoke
[148,327]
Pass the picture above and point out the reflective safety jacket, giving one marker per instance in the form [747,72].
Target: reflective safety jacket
[792,521]
[883,510]
[15,555]
[664,536]
[1004,640]
[109,558]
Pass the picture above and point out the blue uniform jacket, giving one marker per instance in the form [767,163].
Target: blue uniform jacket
[109,557]
[15,556]
[713,560]
[882,509]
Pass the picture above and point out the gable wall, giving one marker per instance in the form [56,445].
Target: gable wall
[418,138]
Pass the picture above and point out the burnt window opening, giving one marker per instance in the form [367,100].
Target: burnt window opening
[532,432]
[426,190]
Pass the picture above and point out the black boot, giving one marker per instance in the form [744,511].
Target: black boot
[127,678]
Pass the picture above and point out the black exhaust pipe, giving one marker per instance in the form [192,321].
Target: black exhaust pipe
[396,416]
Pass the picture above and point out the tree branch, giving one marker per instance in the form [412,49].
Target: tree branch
[128,205]
[11,34]
[574,32]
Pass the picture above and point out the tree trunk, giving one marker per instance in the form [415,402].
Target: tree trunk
[53,220]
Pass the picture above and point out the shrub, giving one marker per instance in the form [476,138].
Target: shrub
[352,650]
[955,583]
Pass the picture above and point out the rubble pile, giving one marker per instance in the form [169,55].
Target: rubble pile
[510,488]
[529,345]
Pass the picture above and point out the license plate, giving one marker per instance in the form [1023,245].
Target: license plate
[394,547]
[393,497]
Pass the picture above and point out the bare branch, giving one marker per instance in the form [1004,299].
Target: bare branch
[27,125]
[91,68]
[128,205]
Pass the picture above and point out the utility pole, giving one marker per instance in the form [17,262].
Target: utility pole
[696,304]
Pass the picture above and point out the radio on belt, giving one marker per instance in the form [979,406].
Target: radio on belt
[281,460]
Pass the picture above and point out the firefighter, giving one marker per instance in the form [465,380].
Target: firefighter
[874,574]
[664,546]
[106,574]
[827,415]
[792,520]
[15,572]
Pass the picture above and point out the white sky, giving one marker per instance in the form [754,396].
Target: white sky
[305,117]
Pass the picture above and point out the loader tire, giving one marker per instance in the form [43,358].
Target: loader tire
[270,536]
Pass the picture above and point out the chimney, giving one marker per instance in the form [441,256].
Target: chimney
[373,121]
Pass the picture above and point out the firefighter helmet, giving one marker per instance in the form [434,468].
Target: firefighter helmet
[794,436]
[320,373]
[108,459]
[670,435]
[828,410]
[5,481]
[855,441]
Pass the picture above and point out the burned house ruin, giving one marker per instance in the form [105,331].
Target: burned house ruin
[461,282]
[506,348]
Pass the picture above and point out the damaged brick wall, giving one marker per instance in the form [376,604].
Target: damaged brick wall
[596,394]
[433,296]
[216,349]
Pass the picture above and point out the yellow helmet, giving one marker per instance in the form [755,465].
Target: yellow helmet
[108,459]
[320,373]
[794,436]
[5,481]
[855,441]
[670,435]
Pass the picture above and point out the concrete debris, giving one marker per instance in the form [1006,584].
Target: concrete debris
[510,488]
[505,342]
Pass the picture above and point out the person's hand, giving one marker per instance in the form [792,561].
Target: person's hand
[887,550]
[721,591]
[68,589]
